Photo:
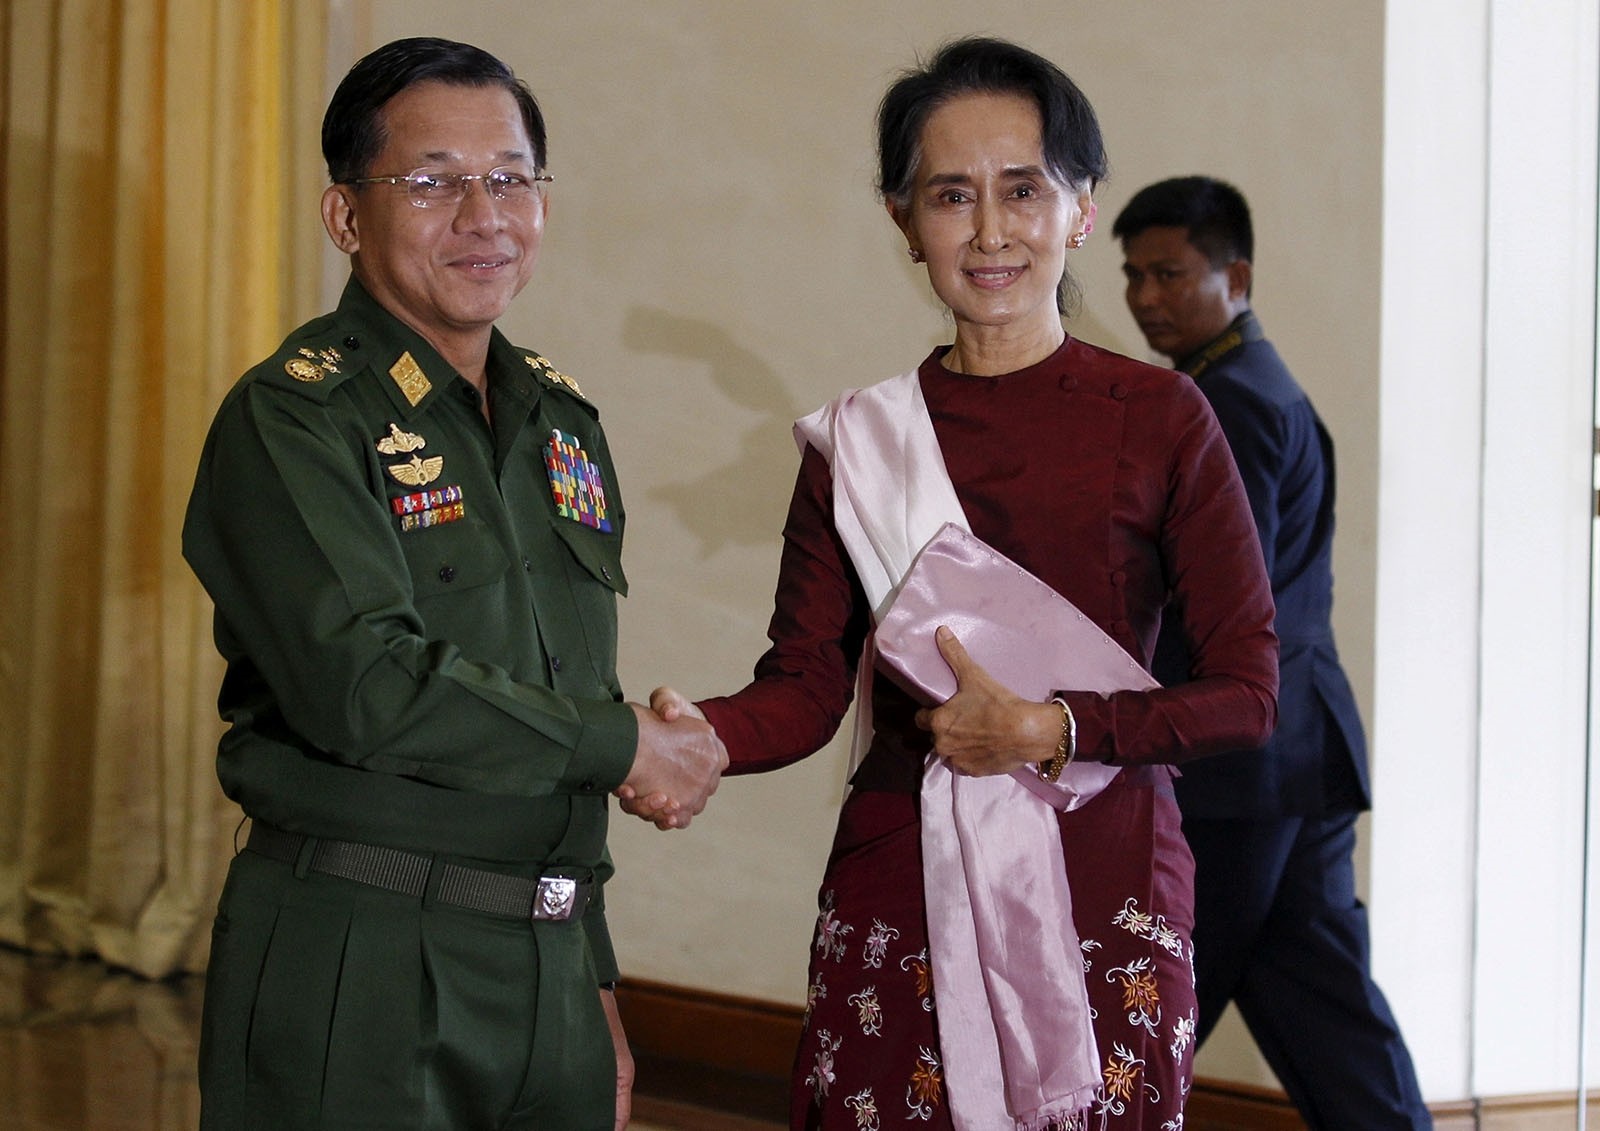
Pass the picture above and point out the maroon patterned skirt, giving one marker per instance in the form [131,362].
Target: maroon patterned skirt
[869,1054]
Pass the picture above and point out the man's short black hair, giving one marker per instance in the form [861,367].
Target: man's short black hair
[1213,212]
[352,129]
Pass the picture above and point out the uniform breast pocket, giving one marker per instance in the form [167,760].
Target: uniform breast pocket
[595,578]
[456,560]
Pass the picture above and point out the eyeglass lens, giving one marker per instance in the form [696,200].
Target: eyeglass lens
[428,187]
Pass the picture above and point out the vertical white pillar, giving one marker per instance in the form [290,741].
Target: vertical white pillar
[1483,563]
[1536,530]
[1425,703]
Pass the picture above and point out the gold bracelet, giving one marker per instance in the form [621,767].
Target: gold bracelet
[1066,745]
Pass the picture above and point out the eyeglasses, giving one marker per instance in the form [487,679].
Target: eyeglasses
[434,188]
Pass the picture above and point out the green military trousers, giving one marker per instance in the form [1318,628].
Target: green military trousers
[337,1006]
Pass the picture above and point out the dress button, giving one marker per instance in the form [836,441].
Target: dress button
[447,573]
[1118,577]
[588,787]
[527,565]
[352,343]
[1119,392]
[555,663]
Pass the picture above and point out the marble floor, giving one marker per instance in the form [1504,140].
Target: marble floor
[86,1049]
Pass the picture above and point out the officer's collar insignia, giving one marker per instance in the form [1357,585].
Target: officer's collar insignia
[419,472]
[399,443]
[543,367]
[412,380]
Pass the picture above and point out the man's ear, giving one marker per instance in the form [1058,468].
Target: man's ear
[339,217]
[1240,274]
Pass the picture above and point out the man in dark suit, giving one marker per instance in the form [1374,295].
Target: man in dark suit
[1278,927]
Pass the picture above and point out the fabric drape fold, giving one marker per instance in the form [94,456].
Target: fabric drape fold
[159,167]
[1016,1039]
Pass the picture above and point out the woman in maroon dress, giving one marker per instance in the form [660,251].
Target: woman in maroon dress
[1105,477]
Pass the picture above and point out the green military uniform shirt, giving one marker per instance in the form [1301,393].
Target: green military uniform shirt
[418,613]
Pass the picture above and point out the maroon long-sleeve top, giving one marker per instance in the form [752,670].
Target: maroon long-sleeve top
[1107,478]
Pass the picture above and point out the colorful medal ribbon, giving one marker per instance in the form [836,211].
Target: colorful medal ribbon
[423,509]
[575,482]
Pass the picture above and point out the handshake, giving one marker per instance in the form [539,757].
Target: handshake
[678,763]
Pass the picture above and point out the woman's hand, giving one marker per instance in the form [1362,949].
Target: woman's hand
[984,728]
[660,810]
[672,705]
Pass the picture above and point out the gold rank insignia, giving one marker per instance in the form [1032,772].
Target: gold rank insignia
[398,443]
[419,472]
[540,365]
[328,359]
[412,380]
[313,365]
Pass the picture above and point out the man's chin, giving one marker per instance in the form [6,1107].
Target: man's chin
[1162,344]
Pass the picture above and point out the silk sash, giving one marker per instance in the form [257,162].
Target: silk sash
[1017,1045]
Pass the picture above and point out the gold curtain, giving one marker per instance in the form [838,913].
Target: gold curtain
[158,233]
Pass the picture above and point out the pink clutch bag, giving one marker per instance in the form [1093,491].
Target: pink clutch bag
[1022,632]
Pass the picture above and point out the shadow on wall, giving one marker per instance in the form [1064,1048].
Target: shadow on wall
[741,501]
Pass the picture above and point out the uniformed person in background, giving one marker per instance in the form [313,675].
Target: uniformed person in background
[1278,928]
[412,533]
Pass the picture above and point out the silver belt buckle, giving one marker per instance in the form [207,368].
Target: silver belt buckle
[555,897]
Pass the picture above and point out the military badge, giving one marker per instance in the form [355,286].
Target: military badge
[398,443]
[419,472]
[575,482]
[413,382]
[542,366]
[424,519]
[326,359]
[313,365]
[429,508]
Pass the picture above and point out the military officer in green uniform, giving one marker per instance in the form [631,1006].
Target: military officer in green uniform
[412,533]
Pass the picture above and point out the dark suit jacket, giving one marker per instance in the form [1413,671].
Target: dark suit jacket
[1316,761]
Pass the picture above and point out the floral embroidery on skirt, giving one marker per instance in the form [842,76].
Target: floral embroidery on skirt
[869,1054]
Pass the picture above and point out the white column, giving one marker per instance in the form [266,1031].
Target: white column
[1483,564]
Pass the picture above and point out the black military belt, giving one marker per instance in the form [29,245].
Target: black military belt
[546,899]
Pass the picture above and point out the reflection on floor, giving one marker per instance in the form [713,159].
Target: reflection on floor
[86,1049]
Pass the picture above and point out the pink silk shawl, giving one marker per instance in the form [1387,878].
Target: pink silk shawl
[1015,1034]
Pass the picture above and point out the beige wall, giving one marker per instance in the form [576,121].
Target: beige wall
[716,264]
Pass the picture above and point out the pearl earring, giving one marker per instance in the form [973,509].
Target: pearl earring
[916,256]
[1076,241]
